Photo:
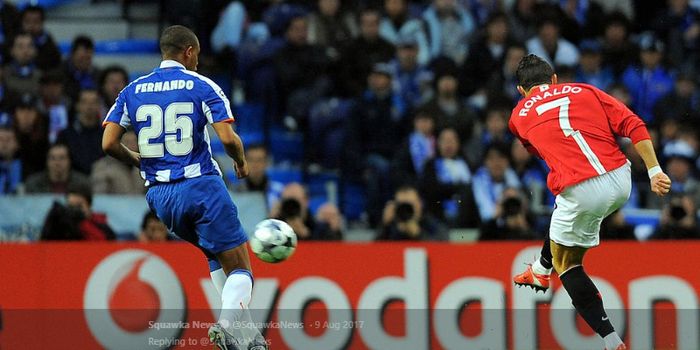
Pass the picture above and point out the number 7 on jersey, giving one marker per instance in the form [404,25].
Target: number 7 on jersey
[565,125]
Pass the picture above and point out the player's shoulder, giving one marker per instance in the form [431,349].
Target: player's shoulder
[201,81]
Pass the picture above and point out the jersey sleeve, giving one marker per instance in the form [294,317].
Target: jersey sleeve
[621,119]
[118,114]
[215,104]
[528,146]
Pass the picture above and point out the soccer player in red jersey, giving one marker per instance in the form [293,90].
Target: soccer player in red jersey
[573,127]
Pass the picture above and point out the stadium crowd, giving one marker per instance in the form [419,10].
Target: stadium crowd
[409,100]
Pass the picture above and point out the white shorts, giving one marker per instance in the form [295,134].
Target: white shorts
[581,208]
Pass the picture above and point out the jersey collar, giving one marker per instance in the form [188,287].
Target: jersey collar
[171,64]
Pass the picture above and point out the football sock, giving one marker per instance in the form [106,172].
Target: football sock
[612,341]
[218,278]
[546,254]
[235,317]
[587,300]
[539,269]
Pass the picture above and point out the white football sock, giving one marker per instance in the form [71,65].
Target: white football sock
[218,278]
[539,269]
[235,317]
[612,341]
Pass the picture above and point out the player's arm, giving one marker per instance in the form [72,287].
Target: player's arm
[219,115]
[233,146]
[111,144]
[625,123]
[115,124]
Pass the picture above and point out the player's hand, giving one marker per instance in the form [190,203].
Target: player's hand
[660,184]
[241,169]
[135,158]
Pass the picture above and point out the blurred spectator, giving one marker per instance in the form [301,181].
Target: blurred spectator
[512,219]
[301,71]
[449,109]
[112,80]
[549,45]
[618,51]
[370,147]
[53,102]
[532,173]
[84,137]
[48,56]
[9,23]
[566,74]
[329,223]
[21,75]
[31,131]
[649,81]
[78,68]
[446,184]
[503,82]
[58,175]
[584,19]
[403,219]
[680,161]
[76,220]
[678,219]
[410,77]
[330,26]
[590,69]
[93,226]
[258,162]
[152,229]
[397,24]
[111,176]
[523,17]
[620,92]
[492,179]
[678,25]
[229,31]
[682,104]
[486,54]
[495,132]
[10,166]
[419,147]
[622,6]
[449,27]
[361,54]
[615,227]
[293,208]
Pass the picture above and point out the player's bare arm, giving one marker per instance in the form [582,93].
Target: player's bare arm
[111,144]
[233,146]
[660,182]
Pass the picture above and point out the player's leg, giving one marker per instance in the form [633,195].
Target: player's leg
[221,234]
[568,262]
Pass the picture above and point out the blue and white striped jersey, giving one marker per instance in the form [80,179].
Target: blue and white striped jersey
[169,110]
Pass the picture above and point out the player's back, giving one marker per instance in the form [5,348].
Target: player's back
[169,110]
[571,126]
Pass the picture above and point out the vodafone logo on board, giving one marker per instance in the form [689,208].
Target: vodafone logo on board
[127,294]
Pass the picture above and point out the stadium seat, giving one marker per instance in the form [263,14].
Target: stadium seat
[250,118]
[124,46]
[286,146]
[352,200]
[326,129]
[284,175]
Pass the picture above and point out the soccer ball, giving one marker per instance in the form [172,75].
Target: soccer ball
[273,241]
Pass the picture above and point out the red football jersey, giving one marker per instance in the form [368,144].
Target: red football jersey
[573,128]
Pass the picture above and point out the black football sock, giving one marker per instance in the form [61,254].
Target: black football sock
[546,254]
[586,299]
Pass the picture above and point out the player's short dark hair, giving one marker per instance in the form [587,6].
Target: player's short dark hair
[82,41]
[150,215]
[532,71]
[82,190]
[34,8]
[113,69]
[176,39]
